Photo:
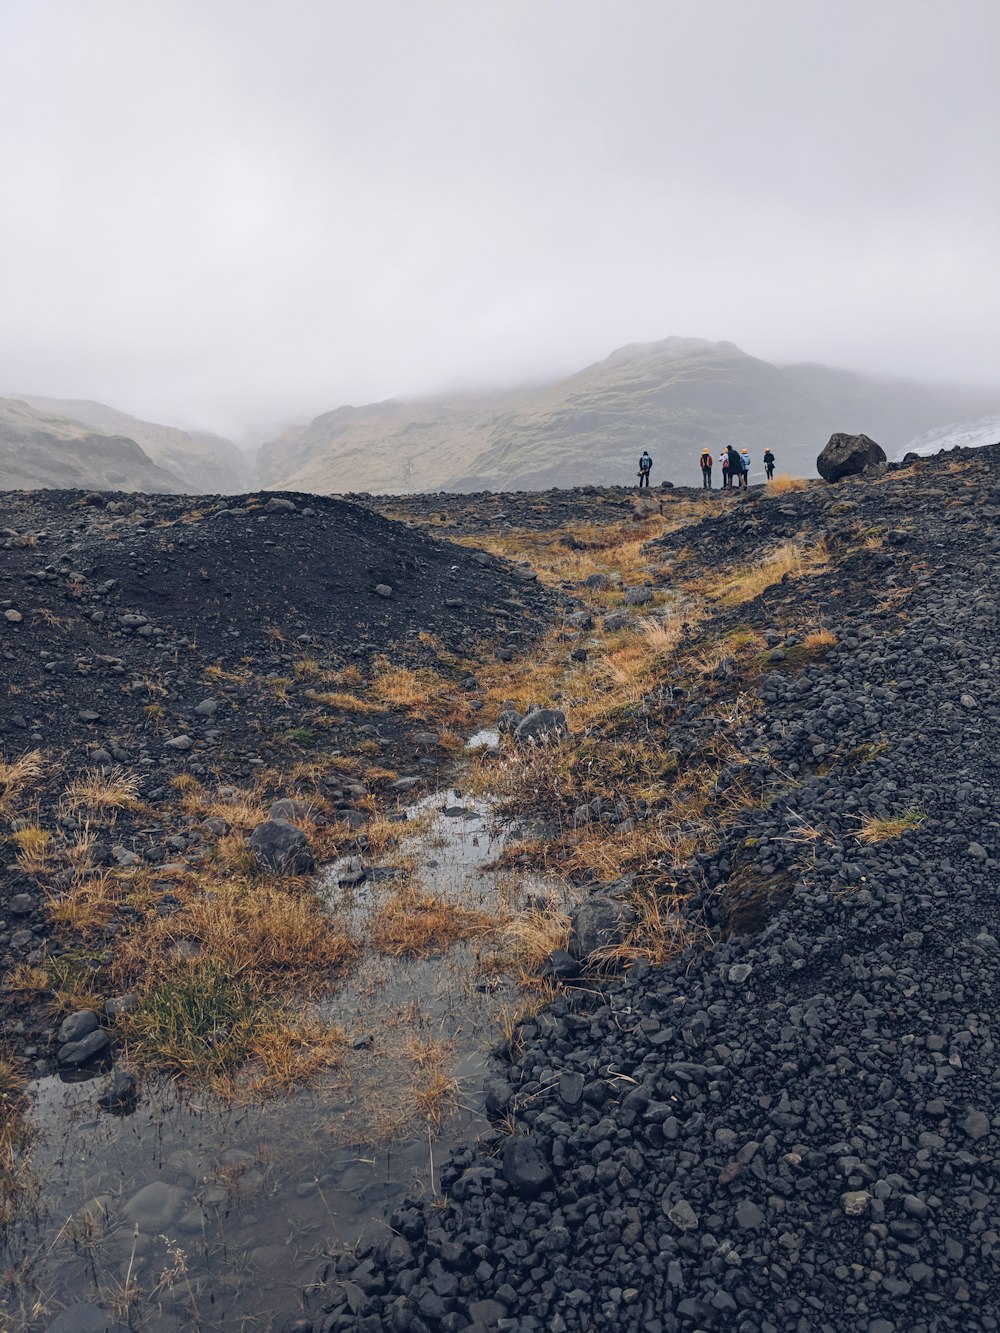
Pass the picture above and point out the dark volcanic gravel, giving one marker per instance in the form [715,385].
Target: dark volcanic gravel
[145,632]
[797,1129]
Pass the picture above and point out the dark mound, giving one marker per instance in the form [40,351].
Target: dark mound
[173,636]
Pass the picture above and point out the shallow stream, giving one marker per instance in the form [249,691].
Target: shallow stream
[190,1213]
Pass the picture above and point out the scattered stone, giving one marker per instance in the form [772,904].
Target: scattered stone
[540,725]
[524,1166]
[281,847]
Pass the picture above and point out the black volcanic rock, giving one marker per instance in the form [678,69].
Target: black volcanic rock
[848,456]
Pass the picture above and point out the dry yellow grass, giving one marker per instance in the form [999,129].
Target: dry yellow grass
[416,924]
[118,789]
[35,850]
[818,639]
[343,702]
[19,775]
[790,560]
[531,936]
[267,931]
[782,483]
[86,906]
[875,828]
[660,933]
[404,688]
[241,808]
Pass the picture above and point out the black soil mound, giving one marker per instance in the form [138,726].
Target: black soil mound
[148,632]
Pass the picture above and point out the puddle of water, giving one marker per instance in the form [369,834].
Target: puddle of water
[218,1213]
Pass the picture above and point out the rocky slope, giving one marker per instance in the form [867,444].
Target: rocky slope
[794,1126]
[42,450]
[158,637]
[674,397]
[201,462]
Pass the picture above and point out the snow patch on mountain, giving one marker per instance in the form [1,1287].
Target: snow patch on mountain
[962,435]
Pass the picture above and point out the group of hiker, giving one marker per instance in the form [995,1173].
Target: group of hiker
[734,465]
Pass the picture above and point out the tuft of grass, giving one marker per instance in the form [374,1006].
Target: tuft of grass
[412,924]
[343,702]
[118,789]
[35,850]
[876,828]
[87,906]
[660,933]
[531,936]
[15,1136]
[406,688]
[435,1092]
[16,775]
[206,1022]
[818,639]
[782,483]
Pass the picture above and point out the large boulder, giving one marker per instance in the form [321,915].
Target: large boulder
[848,456]
[281,847]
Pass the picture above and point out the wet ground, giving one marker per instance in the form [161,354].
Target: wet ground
[190,1213]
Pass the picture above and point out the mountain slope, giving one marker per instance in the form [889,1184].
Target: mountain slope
[42,451]
[673,397]
[204,462]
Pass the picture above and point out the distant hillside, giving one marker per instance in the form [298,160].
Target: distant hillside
[42,451]
[673,397]
[202,462]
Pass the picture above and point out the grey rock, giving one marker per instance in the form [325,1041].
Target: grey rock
[855,1202]
[86,1049]
[279,505]
[541,724]
[382,590]
[976,1124]
[601,922]
[179,743]
[290,808]
[281,847]
[681,1214]
[525,1168]
[155,1206]
[77,1025]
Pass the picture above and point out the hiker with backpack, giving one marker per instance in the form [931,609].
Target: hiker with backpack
[769,463]
[724,465]
[706,469]
[645,467]
[735,467]
[745,466]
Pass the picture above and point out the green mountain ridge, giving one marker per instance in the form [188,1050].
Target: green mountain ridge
[673,397]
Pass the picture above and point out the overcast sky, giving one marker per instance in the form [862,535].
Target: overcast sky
[230,212]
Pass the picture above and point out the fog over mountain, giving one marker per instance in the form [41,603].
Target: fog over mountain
[230,214]
[673,397]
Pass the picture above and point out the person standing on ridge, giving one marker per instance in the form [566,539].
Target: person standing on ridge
[769,463]
[745,466]
[645,467]
[735,466]
[724,465]
[706,469]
